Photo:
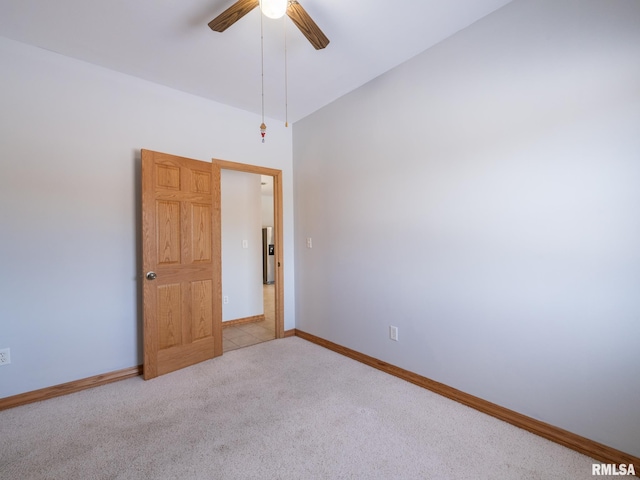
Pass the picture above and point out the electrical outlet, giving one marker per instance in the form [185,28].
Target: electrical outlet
[393,333]
[225,299]
[5,356]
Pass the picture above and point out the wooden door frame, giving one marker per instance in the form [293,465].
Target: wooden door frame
[217,166]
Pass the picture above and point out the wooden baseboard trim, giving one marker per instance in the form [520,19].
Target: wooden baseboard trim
[70,387]
[242,321]
[570,440]
[290,333]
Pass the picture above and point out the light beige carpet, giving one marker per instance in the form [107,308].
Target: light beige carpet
[285,409]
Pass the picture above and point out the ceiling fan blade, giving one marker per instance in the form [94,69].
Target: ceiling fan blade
[307,26]
[232,14]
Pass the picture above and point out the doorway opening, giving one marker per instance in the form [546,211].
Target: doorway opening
[251,254]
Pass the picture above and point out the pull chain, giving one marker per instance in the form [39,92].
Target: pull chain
[263,127]
[286,87]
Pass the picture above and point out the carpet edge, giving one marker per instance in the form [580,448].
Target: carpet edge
[69,387]
[550,432]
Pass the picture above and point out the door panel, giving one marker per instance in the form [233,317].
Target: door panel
[182,311]
[169,315]
[202,317]
[168,232]
[201,232]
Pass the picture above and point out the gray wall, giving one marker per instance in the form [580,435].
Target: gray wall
[484,198]
[70,140]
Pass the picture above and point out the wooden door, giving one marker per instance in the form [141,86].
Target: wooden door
[181,269]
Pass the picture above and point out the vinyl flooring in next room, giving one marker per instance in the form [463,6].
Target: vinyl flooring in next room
[244,335]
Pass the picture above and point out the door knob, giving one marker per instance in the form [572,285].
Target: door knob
[151,275]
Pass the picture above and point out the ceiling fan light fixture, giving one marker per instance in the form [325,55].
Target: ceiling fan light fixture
[274,8]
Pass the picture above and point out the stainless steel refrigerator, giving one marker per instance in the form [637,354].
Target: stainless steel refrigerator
[268,257]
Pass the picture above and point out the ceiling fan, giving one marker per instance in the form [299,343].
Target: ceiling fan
[292,8]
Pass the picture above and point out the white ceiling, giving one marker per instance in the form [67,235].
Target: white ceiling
[168,42]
